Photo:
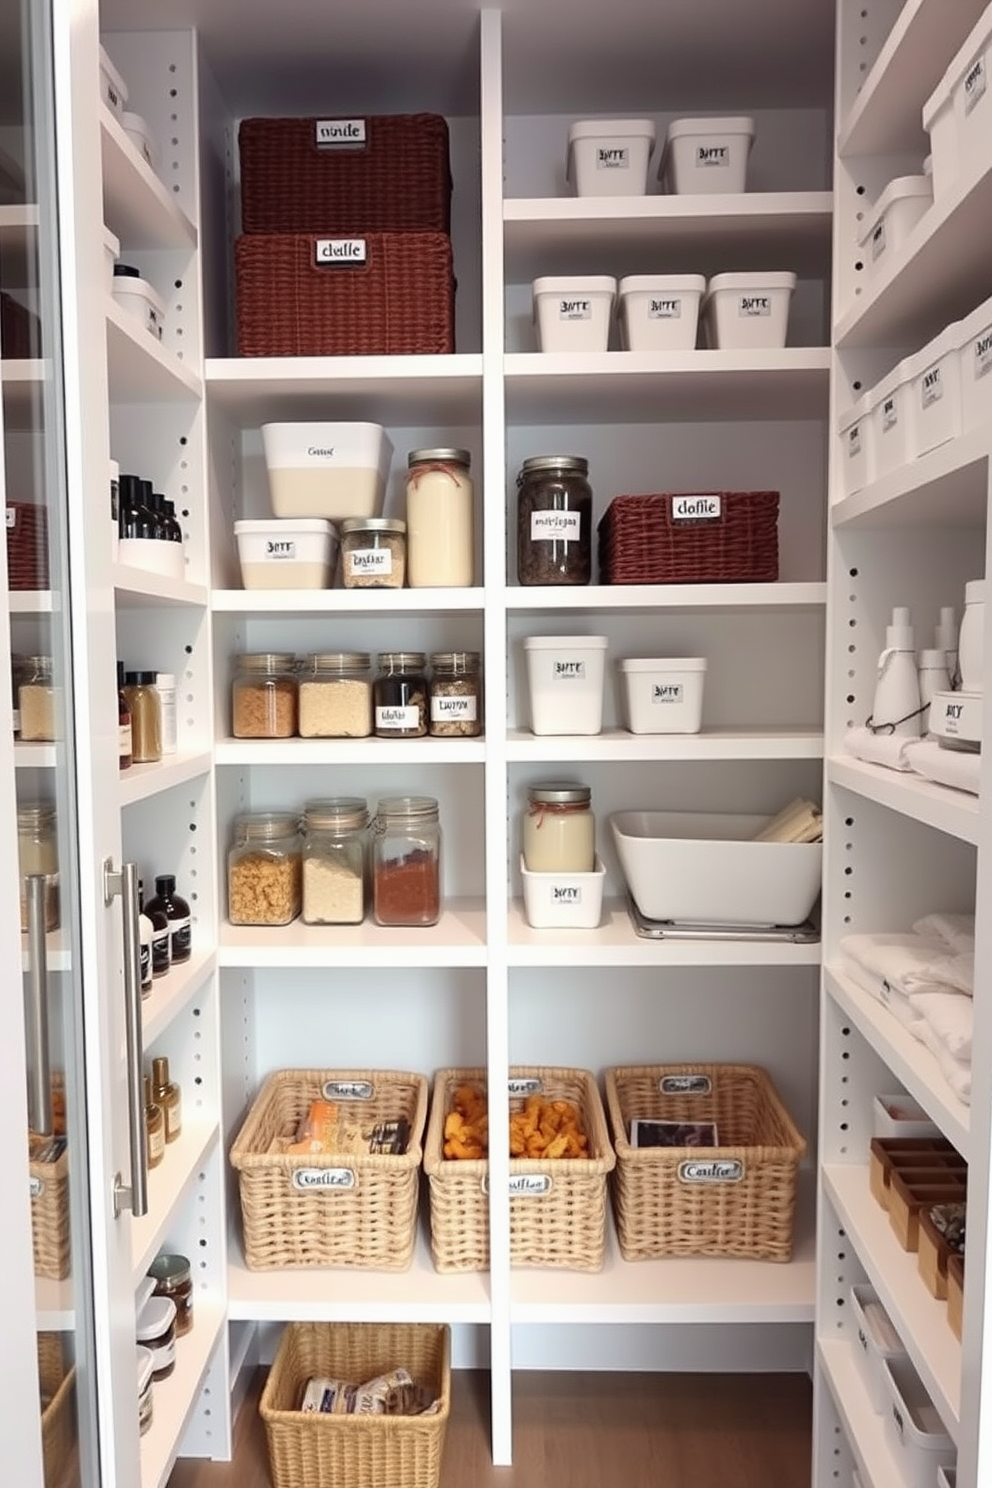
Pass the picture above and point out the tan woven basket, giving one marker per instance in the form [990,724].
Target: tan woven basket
[50,1217]
[736,1199]
[58,1399]
[710,537]
[315,1451]
[557,1208]
[343,1209]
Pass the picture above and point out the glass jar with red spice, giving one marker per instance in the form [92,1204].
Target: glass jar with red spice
[406,861]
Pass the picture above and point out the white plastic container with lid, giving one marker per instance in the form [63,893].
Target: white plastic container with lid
[875,1339]
[660,312]
[857,452]
[706,156]
[156,1330]
[573,314]
[138,132]
[919,1441]
[565,679]
[941,125]
[327,470]
[975,366]
[958,114]
[899,1115]
[136,296]
[111,253]
[893,217]
[971,641]
[663,695]
[165,682]
[609,157]
[748,311]
[935,392]
[277,554]
[113,89]
[572,901]
[891,419]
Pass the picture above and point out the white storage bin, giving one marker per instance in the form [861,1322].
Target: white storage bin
[138,132]
[900,1115]
[703,867]
[663,695]
[958,114]
[327,470]
[748,311]
[111,253]
[919,1442]
[136,296]
[113,89]
[941,125]
[660,312]
[574,314]
[609,157]
[572,901]
[565,681]
[875,1339]
[854,433]
[706,156]
[154,555]
[893,217]
[297,554]
[891,419]
[935,399]
[975,359]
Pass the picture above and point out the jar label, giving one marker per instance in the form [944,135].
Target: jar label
[156,1144]
[685,1085]
[555,526]
[974,84]
[751,307]
[161,952]
[307,1179]
[453,709]
[123,740]
[565,894]
[854,441]
[343,133]
[706,508]
[173,1120]
[711,1170]
[616,157]
[664,309]
[182,938]
[878,239]
[279,551]
[713,155]
[146,965]
[890,415]
[983,354]
[334,252]
[931,387]
[575,310]
[398,718]
[370,561]
[667,692]
[568,671]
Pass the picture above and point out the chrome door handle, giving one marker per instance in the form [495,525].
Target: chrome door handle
[39,1074]
[125,883]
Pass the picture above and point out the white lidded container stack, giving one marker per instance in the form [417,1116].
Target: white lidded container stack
[857,465]
[935,392]
[574,313]
[663,695]
[748,311]
[325,470]
[609,157]
[891,418]
[919,1442]
[565,682]
[975,359]
[113,89]
[296,553]
[893,217]
[958,114]
[138,298]
[875,1340]
[660,312]
[569,901]
[706,156]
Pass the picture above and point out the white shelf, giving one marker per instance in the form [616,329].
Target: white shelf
[55,1305]
[140,368]
[947,487]
[172,993]
[34,756]
[137,588]
[175,1398]
[30,602]
[347,601]
[137,207]
[909,1060]
[140,782]
[863,1426]
[371,751]
[167,1185]
[919,1319]
[668,597]
[393,390]
[58,949]
[18,234]
[657,387]
[952,811]
[458,939]
[22,381]
[711,744]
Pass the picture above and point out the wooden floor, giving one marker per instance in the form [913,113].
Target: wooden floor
[597,1431]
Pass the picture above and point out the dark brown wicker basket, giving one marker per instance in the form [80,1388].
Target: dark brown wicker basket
[396,180]
[27,545]
[399,302]
[710,537]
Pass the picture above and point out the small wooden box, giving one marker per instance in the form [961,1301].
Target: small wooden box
[907,1196]
[907,1153]
[932,1256]
[955,1293]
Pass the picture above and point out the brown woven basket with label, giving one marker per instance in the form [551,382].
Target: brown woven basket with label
[374,173]
[50,1217]
[557,1207]
[57,1385]
[737,1198]
[376,294]
[27,545]
[694,537]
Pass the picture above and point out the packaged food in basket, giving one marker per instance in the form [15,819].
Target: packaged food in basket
[695,537]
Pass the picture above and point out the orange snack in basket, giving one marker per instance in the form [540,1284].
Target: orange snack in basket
[318,1132]
[545,1129]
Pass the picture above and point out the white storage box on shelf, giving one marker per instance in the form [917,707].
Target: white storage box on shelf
[704,868]
[153,555]
[975,358]
[573,314]
[748,311]
[660,312]
[609,157]
[919,1441]
[891,419]
[706,156]
[113,89]
[286,554]
[901,1116]
[854,432]
[136,296]
[935,392]
[958,114]
[893,217]
[139,133]
[563,901]
[111,253]
[663,695]
[565,683]
[875,1339]
[332,471]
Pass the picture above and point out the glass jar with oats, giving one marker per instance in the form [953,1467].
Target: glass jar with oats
[265,869]
[336,695]
[264,695]
[335,849]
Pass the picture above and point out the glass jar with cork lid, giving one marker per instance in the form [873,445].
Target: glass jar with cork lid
[554,520]
[335,847]
[264,695]
[38,855]
[265,869]
[406,861]
[440,519]
[336,695]
[559,829]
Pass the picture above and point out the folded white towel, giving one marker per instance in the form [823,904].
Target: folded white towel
[910,963]
[957,1072]
[897,1003]
[880,749]
[949,1015]
[957,931]
[959,768]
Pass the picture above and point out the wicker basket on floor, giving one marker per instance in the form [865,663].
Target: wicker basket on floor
[735,1199]
[57,1384]
[711,537]
[334,1209]
[557,1208]
[318,1451]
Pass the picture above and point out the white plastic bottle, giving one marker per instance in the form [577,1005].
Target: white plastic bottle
[946,640]
[971,642]
[896,708]
[933,678]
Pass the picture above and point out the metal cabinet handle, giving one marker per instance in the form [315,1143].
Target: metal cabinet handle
[39,1074]
[125,883]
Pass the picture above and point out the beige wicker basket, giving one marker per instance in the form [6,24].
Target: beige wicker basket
[342,1209]
[557,1208]
[58,1396]
[50,1217]
[315,1451]
[736,1199]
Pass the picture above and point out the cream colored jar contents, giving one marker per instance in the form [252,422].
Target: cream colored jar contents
[439,519]
[559,829]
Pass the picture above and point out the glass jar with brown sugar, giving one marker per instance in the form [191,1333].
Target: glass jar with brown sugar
[264,696]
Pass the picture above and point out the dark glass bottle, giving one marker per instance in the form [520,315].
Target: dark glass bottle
[161,933]
[177,911]
[125,749]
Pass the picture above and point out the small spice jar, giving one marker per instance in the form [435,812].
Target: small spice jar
[156,1330]
[335,847]
[440,504]
[36,699]
[38,853]
[336,695]
[264,695]
[554,520]
[145,708]
[400,695]
[144,1364]
[455,695]
[406,861]
[171,1274]
[559,829]
[373,553]
[265,869]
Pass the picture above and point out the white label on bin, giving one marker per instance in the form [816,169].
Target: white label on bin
[362,1090]
[350,132]
[897,1417]
[305,1179]
[713,155]
[751,306]
[974,84]
[555,526]
[664,309]
[932,387]
[340,251]
[854,441]
[398,718]
[711,1170]
[685,1085]
[278,550]
[453,710]
[153,321]
[565,894]
[890,415]
[36,1187]
[982,363]
[667,692]
[878,239]
[529,1185]
[370,561]
[568,671]
[11,516]
[862,1339]
[575,310]
[696,508]
[524,1085]
[612,157]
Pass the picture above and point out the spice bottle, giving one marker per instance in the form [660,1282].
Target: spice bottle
[336,696]
[125,752]
[400,695]
[160,939]
[554,521]
[373,553]
[335,846]
[38,853]
[406,861]
[27,671]
[264,695]
[39,702]
[455,695]
[559,829]
[167,1095]
[440,506]
[165,684]
[176,911]
[265,869]
[146,717]
[154,1127]
[171,1274]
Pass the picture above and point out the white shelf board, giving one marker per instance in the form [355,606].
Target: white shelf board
[919,1319]
[137,588]
[167,1185]
[863,1426]
[615,943]
[909,1060]
[34,756]
[662,387]
[946,487]
[137,206]
[139,368]
[458,939]
[18,235]
[745,597]
[952,811]
[59,952]
[347,601]
[711,744]
[886,116]
[140,782]
[176,1397]
[30,602]
[370,751]
[22,383]
[173,992]
[393,390]
[55,1305]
